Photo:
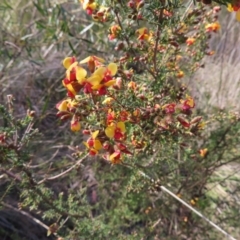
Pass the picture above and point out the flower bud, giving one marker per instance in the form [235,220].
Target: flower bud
[196,120]
[75,124]
[31,113]
[184,122]
[119,46]
[216,9]
[118,83]
[140,4]
[86,132]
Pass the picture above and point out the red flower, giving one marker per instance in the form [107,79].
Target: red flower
[187,104]
[169,108]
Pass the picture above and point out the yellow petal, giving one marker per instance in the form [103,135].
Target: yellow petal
[92,58]
[203,152]
[95,134]
[113,155]
[110,83]
[75,125]
[140,31]
[72,66]
[121,125]
[70,69]
[86,144]
[100,72]
[115,158]
[229,7]
[109,131]
[87,5]
[63,105]
[81,73]
[94,79]
[71,89]
[97,86]
[113,68]
[108,100]
[85,60]
[99,59]
[67,62]
[238,15]
[97,145]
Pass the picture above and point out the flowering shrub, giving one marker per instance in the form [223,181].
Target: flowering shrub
[138,127]
[129,105]
[137,108]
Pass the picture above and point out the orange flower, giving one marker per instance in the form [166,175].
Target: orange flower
[132,85]
[110,116]
[63,105]
[187,104]
[190,41]
[89,6]
[115,157]
[102,78]
[93,62]
[144,34]
[68,61]
[210,53]
[93,144]
[75,124]
[114,32]
[124,115]
[66,105]
[203,152]
[102,14]
[108,100]
[213,27]
[194,201]
[169,108]
[167,13]
[115,130]
[180,74]
[75,76]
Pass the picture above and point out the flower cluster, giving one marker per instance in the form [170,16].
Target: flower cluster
[94,82]
[94,93]
[76,76]
[125,106]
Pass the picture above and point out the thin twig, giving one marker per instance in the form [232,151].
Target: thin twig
[45,162]
[63,173]
[11,174]
[188,7]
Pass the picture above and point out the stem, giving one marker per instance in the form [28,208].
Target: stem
[63,173]
[157,40]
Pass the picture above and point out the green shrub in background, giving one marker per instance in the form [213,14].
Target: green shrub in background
[81,197]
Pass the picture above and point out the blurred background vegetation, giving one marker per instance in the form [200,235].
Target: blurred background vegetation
[97,200]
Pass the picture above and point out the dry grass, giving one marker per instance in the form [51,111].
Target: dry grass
[218,83]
